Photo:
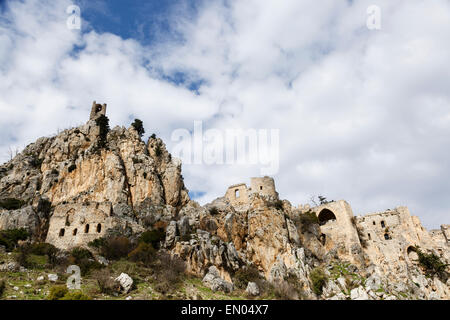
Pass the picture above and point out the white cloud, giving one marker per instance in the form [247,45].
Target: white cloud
[363,115]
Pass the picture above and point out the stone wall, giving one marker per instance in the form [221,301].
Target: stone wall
[75,225]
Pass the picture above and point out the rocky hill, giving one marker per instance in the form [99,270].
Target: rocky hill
[107,193]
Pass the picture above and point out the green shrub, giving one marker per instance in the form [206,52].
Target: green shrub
[153,237]
[75,295]
[81,253]
[318,279]
[158,150]
[169,271]
[10,238]
[213,211]
[144,253]
[103,124]
[306,220]
[57,292]
[106,283]
[2,287]
[116,247]
[432,264]
[277,204]
[45,249]
[139,126]
[11,203]
[97,243]
[245,275]
[84,259]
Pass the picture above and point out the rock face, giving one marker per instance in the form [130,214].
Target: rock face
[90,178]
[90,182]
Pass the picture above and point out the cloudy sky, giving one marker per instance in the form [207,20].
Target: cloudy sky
[362,115]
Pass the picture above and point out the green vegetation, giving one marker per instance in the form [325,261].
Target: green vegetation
[11,203]
[432,264]
[213,211]
[245,275]
[158,150]
[318,280]
[139,126]
[10,238]
[103,123]
[2,287]
[84,259]
[153,237]
[305,221]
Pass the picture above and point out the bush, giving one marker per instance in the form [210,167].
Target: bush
[144,253]
[10,238]
[2,287]
[213,211]
[97,243]
[103,123]
[45,249]
[116,247]
[432,264]
[84,259]
[75,295]
[61,292]
[306,221]
[11,203]
[139,126]
[153,237]
[158,150]
[170,270]
[318,279]
[277,204]
[57,292]
[106,283]
[245,275]
[283,290]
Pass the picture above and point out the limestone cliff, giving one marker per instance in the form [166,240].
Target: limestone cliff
[88,181]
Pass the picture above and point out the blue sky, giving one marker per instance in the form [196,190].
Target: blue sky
[363,115]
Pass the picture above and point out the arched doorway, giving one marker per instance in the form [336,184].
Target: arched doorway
[326,215]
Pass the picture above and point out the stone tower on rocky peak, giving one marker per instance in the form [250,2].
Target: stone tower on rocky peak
[97,110]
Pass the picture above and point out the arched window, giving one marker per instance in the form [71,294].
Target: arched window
[236,193]
[260,187]
[61,232]
[370,238]
[373,222]
[326,215]
[386,236]
[99,228]
[75,231]
[86,229]
[382,224]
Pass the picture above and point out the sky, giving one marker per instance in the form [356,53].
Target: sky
[360,114]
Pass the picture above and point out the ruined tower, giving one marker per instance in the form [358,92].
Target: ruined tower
[97,110]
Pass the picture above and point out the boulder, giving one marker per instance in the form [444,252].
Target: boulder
[125,281]
[53,277]
[359,294]
[252,289]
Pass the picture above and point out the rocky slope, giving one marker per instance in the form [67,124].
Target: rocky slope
[143,186]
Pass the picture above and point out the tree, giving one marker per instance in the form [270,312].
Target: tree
[139,126]
[103,123]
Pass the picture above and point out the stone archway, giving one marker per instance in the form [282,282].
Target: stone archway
[411,252]
[326,215]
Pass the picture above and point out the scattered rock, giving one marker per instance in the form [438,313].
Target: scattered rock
[359,294]
[125,281]
[252,289]
[53,277]
[215,282]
